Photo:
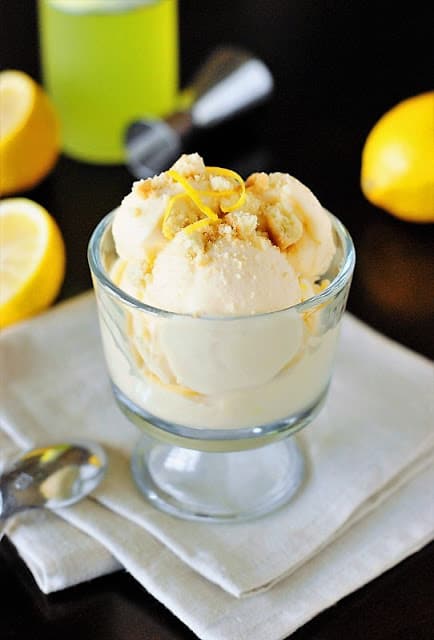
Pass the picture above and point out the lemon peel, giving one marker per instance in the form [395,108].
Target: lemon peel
[168,233]
[195,196]
[194,226]
[193,193]
[228,173]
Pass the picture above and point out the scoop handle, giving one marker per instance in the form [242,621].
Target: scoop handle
[231,81]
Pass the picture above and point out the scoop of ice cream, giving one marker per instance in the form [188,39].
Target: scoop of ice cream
[232,276]
[195,240]
[192,355]
[295,221]
[137,225]
[220,356]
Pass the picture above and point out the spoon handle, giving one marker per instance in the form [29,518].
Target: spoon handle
[9,505]
[3,518]
[16,493]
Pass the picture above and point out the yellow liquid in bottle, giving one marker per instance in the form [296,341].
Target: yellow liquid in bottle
[107,63]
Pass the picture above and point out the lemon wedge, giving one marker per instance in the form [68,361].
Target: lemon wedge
[32,259]
[29,133]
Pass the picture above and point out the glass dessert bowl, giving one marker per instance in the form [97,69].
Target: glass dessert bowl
[218,397]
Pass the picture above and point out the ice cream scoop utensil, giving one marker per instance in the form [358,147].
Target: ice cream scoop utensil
[230,81]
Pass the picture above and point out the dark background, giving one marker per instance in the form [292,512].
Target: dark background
[338,66]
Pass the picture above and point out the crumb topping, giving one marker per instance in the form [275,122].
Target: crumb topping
[206,203]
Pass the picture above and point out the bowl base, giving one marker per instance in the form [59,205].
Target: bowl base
[217,487]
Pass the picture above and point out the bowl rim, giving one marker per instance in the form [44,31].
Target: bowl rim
[336,285]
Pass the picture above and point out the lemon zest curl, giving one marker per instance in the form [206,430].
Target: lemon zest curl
[195,196]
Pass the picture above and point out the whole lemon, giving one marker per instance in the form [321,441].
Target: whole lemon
[398,160]
[29,133]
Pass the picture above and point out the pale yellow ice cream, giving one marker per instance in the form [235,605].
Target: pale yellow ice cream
[262,255]
[200,242]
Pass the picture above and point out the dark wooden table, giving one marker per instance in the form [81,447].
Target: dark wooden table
[338,66]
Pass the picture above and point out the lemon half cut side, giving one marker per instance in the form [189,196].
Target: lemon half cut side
[32,259]
[29,133]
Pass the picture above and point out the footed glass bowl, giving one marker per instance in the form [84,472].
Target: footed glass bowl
[218,398]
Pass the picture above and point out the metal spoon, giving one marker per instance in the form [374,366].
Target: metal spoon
[54,476]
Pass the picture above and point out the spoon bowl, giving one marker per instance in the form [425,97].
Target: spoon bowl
[54,476]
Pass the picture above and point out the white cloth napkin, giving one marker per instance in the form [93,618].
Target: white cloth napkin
[374,436]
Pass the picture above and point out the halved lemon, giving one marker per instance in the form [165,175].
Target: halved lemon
[32,259]
[29,133]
